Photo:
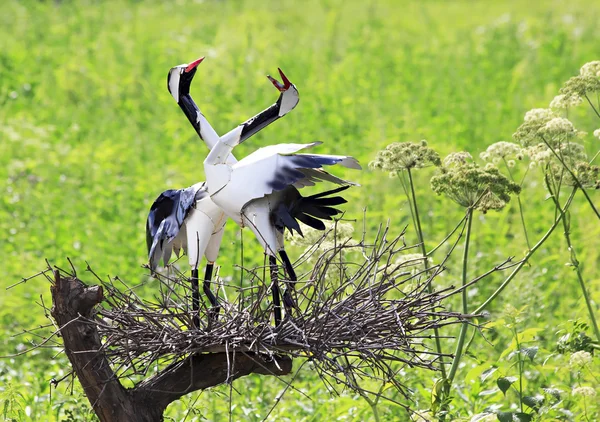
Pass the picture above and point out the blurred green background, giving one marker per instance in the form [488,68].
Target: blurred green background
[89,136]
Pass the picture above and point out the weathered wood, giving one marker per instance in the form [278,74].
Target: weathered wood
[73,308]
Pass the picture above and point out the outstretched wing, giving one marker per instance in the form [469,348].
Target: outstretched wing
[276,167]
[166,219]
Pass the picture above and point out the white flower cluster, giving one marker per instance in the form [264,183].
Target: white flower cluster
[570,152]
[334,235]
[538,155]
[590,69]
[457,159]
[580,359]
[584,391]
[597,133]
[539,114]
[501,151]
[561,101]
[558,126]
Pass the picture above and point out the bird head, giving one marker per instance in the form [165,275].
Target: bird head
[289,97]
[180,77]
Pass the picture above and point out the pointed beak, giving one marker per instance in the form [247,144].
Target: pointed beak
[281,87]
[193,65]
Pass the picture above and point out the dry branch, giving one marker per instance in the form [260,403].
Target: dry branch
[74,308]
[364,312]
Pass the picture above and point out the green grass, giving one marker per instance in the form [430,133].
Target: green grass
[89,136]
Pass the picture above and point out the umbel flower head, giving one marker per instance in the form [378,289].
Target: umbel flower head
[334,234]
[502,151]
[562,102]
[400,156]
[472,186]
[542,124]
[580,86]
[591,69]
[587,175]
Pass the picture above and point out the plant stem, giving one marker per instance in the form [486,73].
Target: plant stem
[438,344]
[592,105]
[575,262]
[525,258]
[520,205]
[575,179]
[465,325]
[520,367]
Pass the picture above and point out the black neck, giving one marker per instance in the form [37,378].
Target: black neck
[191,110]
[261,120]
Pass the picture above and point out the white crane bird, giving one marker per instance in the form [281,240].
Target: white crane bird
[261,190]
[187,218]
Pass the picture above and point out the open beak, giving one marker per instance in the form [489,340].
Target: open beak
[193,65]
[281,87]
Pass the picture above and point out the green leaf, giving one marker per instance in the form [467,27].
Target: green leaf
[505,416]
[522,417]
[533,402]
[554,392]
[487,373]
[504,383]
[530,352]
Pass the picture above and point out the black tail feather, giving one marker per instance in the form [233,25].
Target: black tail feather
[320,212]
[333,200]
[310,210]
[311,221]
[329,192]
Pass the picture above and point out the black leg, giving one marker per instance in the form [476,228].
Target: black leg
[195,299]
[288,300]
[214,312]
[275,290]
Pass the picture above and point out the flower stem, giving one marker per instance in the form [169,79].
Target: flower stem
[526,257]
[575,179]
[417,220]
[575,262]
[520,205]
[465,325]
[520,366]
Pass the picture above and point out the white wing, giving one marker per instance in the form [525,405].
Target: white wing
[274,168]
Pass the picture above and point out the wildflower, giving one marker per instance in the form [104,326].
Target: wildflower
[584,391]
[539,115]
[590,69]
[580,359]
[412,261]
[334,234]
[580,86]
[561,101]
[470,186]
[457,159]
[597,133]
[404,156]
[501,151]
[542,125]
[535,119]
[558,127]
[587,175]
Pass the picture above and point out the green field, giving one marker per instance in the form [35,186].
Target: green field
[89,136]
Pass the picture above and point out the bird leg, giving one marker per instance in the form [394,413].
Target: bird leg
[275,290]
[195,299]
[214,311]
[288,300]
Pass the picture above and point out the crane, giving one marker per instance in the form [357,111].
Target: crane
[261,191]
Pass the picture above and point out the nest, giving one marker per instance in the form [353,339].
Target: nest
[363,311]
